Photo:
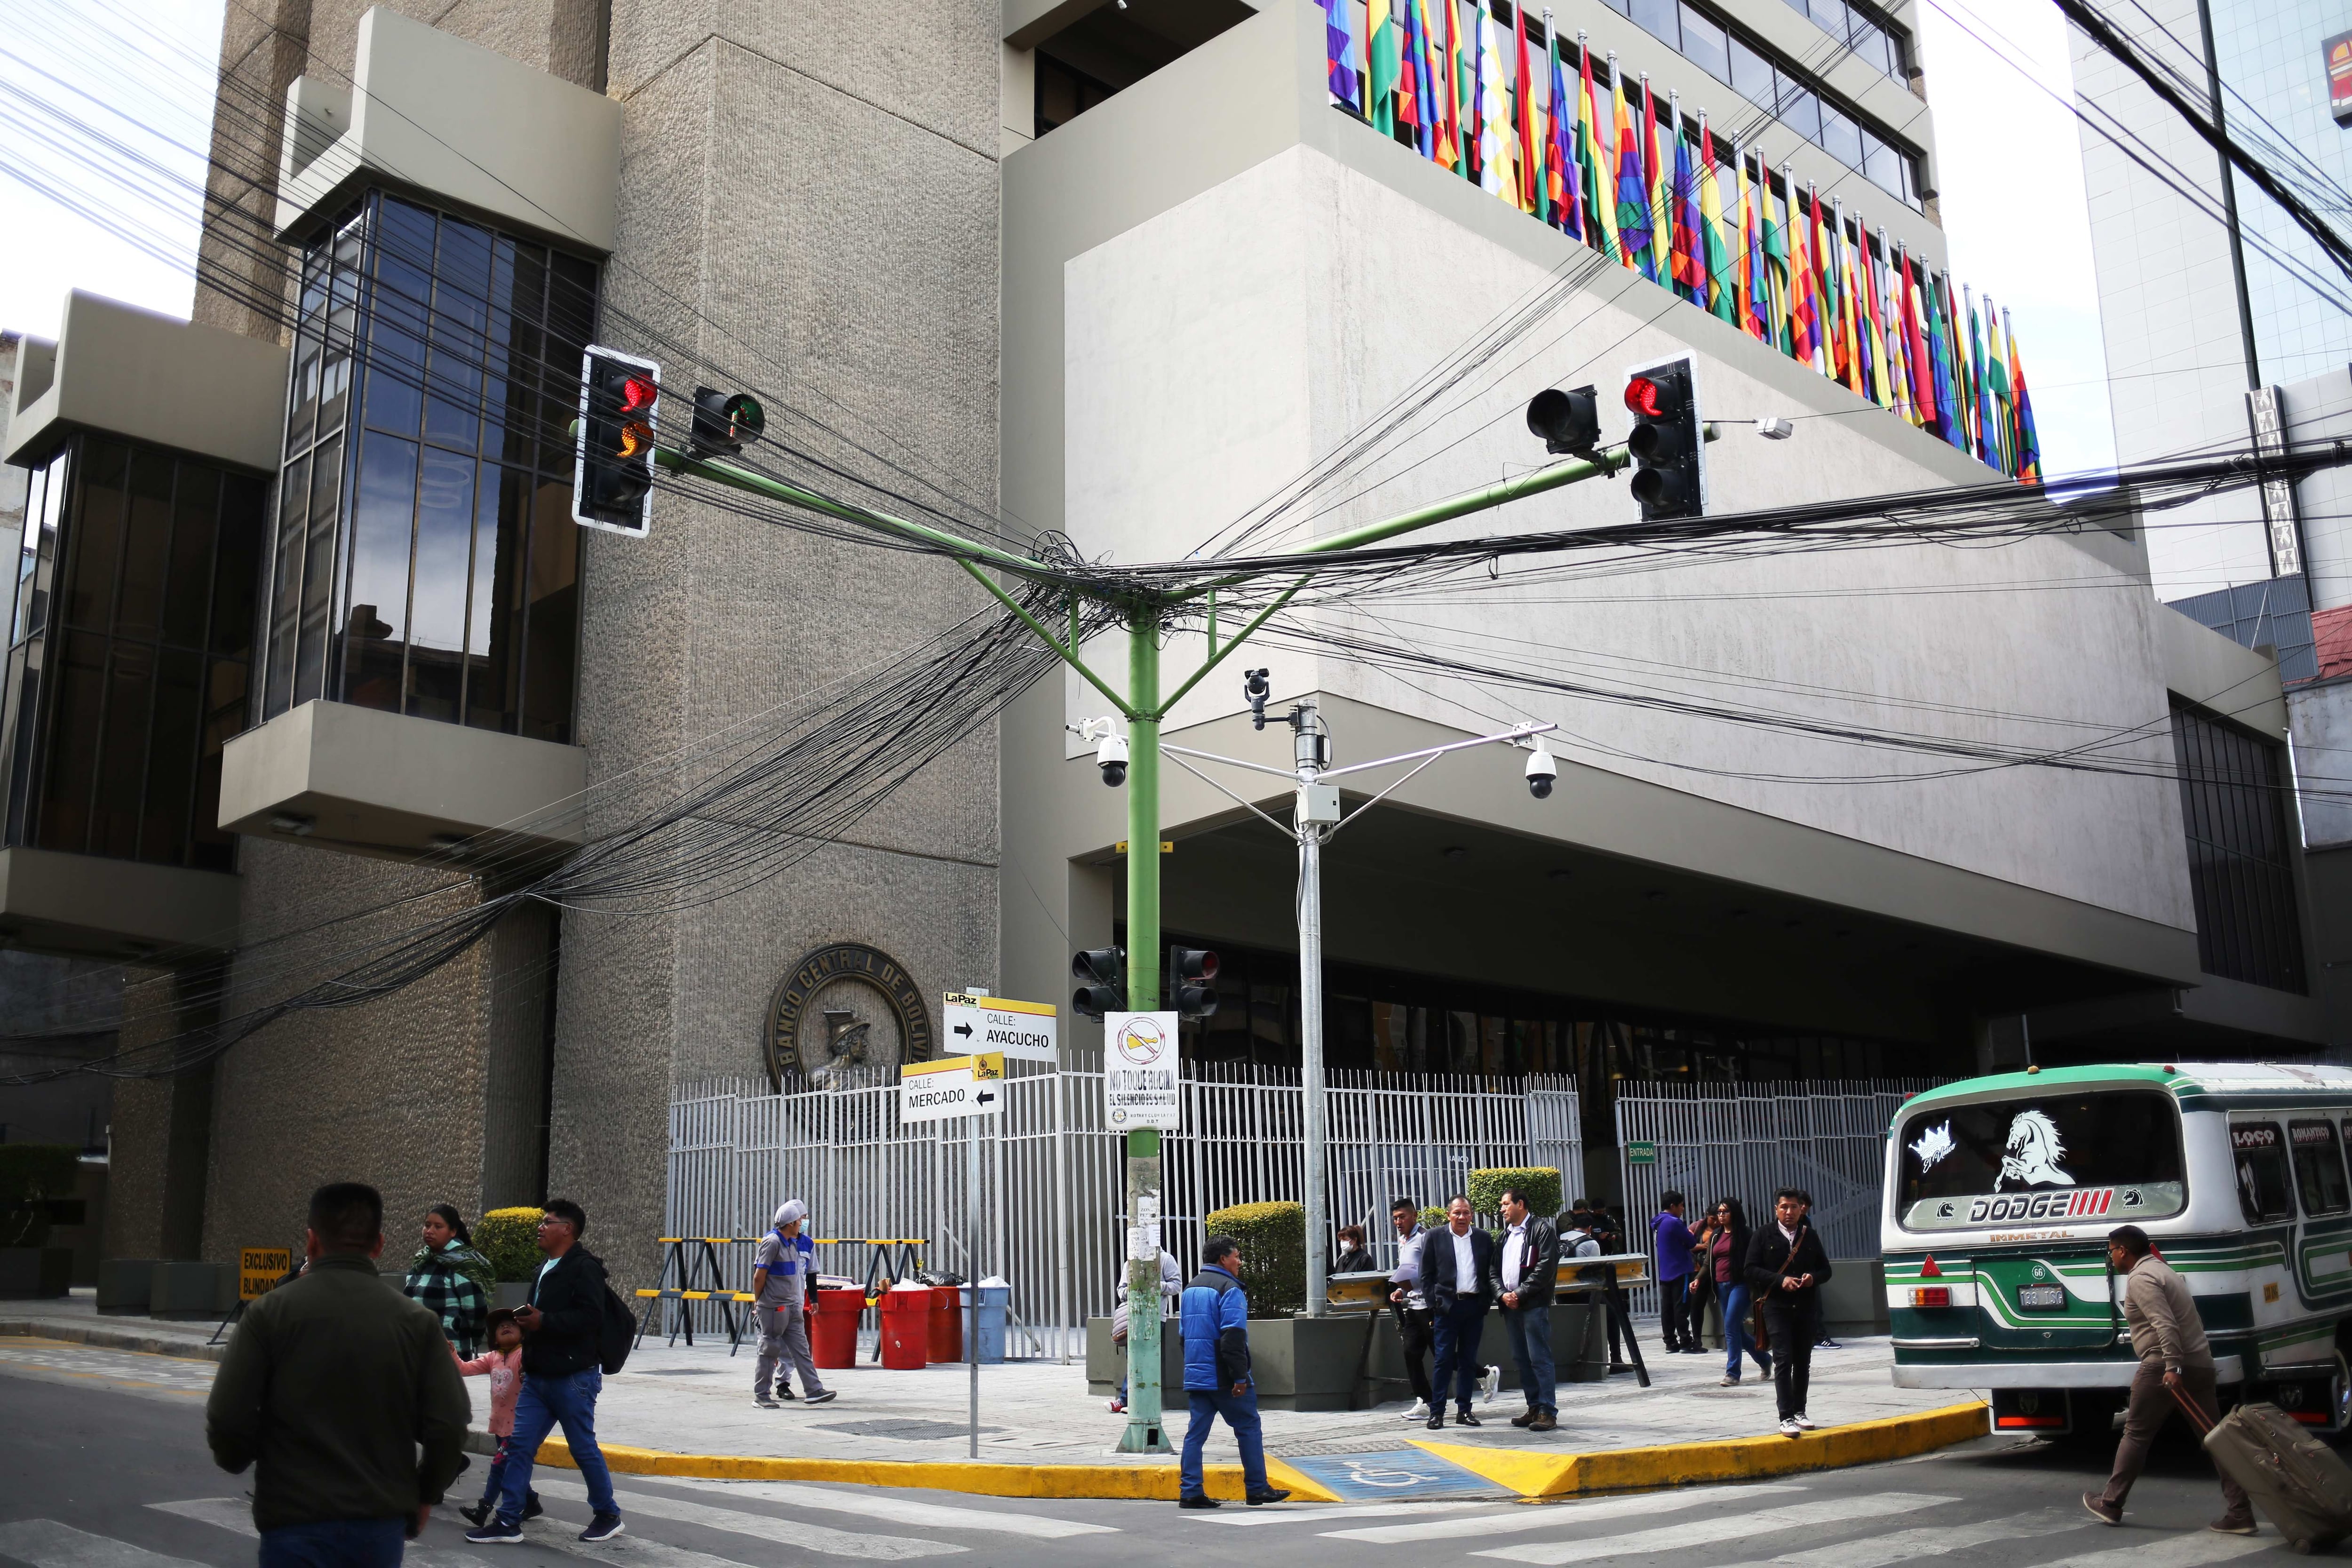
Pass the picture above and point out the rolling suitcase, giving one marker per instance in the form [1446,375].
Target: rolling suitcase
[2295,1480]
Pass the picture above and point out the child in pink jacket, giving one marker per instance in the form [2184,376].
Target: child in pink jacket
[502,1365]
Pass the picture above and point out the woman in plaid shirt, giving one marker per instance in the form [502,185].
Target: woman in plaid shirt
[452,1280]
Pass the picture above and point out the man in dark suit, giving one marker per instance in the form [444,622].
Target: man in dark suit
[1459,1281]
[1528,1267]
[1785,1268]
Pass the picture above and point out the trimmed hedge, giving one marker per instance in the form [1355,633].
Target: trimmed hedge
[509,1239]
[30,1173]
[1433,1219]
[1541,1182]
[1272,1238]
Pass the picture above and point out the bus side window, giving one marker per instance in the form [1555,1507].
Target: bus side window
[2263,1190]
[2318,1167]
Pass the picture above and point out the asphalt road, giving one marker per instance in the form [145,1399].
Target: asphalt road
[102,1465]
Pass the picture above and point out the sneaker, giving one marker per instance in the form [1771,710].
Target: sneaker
[1728,1382]
[1827,1345]
[1202,1502]
[1420,1411]
[498,1532]
[1488,1382]
[783,1391]
[2102,1509]
[1804,1422]
[2229,1525]
[1788,1428]
[826,1397]
[476,1514]
[1118,1406]
[765,1402]
[1271,1494]
[604,1527]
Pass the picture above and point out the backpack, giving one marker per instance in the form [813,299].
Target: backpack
[616,1335]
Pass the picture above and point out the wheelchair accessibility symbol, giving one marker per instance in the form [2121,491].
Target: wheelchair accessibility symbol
[1394,1473]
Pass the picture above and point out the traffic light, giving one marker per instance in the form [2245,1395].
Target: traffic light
[1666,441]
[723,421]
[1190,980]
[1104,970]
[613,470]
[1568,421]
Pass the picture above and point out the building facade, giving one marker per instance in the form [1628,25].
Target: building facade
[1175,275]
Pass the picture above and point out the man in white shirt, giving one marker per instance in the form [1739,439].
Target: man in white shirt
[1458,1278]
[1530,1267]
[1414,1331]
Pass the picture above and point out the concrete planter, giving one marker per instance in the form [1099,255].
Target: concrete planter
[124,1284]
[191,1290]
[35,1271]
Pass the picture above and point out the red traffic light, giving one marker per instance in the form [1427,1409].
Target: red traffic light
[1645,397]
[638,393]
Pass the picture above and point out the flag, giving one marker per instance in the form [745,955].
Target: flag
[2029,441]
[1658,175]
[1690,251]
[1414,100]
[1756,274]
[1835,346]
[1380,106]
[1881,359]
[1939,356]
[1465,75]
[1851,328]
[1592,152]
[1926,410]
[1495,172]
[1778,297]
[1721,282]
[1524,96]
[1984,394]
[1804,285]
[1632,186]
[1339,48]
[1563,191]
[1445,130]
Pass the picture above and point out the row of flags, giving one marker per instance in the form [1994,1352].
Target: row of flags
[1449,78]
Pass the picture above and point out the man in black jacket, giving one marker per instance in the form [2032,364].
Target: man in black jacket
[1459,1281]
[1785,1268]
[563,1372]
[1530,1269]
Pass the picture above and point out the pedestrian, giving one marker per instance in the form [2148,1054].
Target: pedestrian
[2175,1361]
[341,1395]
[1723,1263]
[1214,1312]
[450,1280]
[563,1372]
[1786,1268]
[1699,1293]
[1416,1330]
[780,1271]
[1593,1221]
[1671,1240]
[1354,1256]
[1530,1272]
[1171,1285]
[1459,1281]
[502,1365]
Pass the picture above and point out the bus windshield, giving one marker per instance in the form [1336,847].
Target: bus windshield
[2100,1156]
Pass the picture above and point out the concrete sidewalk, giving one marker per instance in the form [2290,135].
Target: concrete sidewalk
[676,1401]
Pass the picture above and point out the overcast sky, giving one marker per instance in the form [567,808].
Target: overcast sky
[2009,176]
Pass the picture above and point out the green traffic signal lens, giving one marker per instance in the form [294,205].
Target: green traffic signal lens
[744,413]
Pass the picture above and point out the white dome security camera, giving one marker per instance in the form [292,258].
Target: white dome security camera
[1112,758]
[1541,772]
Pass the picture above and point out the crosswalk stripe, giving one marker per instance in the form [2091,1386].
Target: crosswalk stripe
[1733,1524]
[767,1527]
[898,1511]
[1551,1516]
[231,1513]
[46,1544]
[1934,1540]
[2183,1551]
[1344,1510]
[560,1535]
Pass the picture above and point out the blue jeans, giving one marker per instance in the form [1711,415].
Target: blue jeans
[1530,1332]
[547,1402]
[1240,1411]
[1735,1298]
[1458,1332]
[335,1543]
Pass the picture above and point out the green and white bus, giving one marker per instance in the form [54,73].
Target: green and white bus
[2001,1192]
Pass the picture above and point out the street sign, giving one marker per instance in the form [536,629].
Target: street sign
[1140,1070]
[1643,1153]
[1025,1031]
[954,1087]
[260,1268]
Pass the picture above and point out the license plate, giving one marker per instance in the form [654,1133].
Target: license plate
[2041,1297]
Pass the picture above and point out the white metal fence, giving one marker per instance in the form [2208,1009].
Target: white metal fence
[1743,1139]
[1053,1188]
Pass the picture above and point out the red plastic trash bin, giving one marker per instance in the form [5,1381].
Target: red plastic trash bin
[947,1323]
[906,1326]
[833,1340]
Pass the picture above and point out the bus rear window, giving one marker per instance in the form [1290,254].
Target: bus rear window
[2103,1156]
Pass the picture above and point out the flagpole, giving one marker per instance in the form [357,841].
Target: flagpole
[1789,305]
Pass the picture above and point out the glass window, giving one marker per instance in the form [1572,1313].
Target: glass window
[1830,16]
[1705,45]
[1800,109]
[1883,163]
[1751,74]
[1798,8]
[1660,19]
[1871,46]
[2318,1167]
[1841,137]
[2241,876]
[1974,1164]
[2260,1157]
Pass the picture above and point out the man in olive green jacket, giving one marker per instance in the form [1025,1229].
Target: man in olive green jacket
[330,1385]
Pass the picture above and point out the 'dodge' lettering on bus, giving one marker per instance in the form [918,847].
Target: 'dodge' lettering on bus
[2084,1203]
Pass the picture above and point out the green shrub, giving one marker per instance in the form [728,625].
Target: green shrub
[1433,1219]
[31,1174]
[1272,1238]
[1542,1183]
[509,1239]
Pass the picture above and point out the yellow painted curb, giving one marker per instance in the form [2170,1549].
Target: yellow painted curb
[1149,1482]
[1739,1458]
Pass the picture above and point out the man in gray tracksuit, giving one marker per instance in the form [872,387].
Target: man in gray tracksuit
[781,1272]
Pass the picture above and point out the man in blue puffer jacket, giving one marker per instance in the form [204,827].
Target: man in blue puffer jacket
[1213,1316]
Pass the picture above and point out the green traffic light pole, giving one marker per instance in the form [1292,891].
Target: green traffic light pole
[1143,707]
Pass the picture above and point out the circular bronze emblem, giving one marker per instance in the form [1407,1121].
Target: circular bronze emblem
[840,1009]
